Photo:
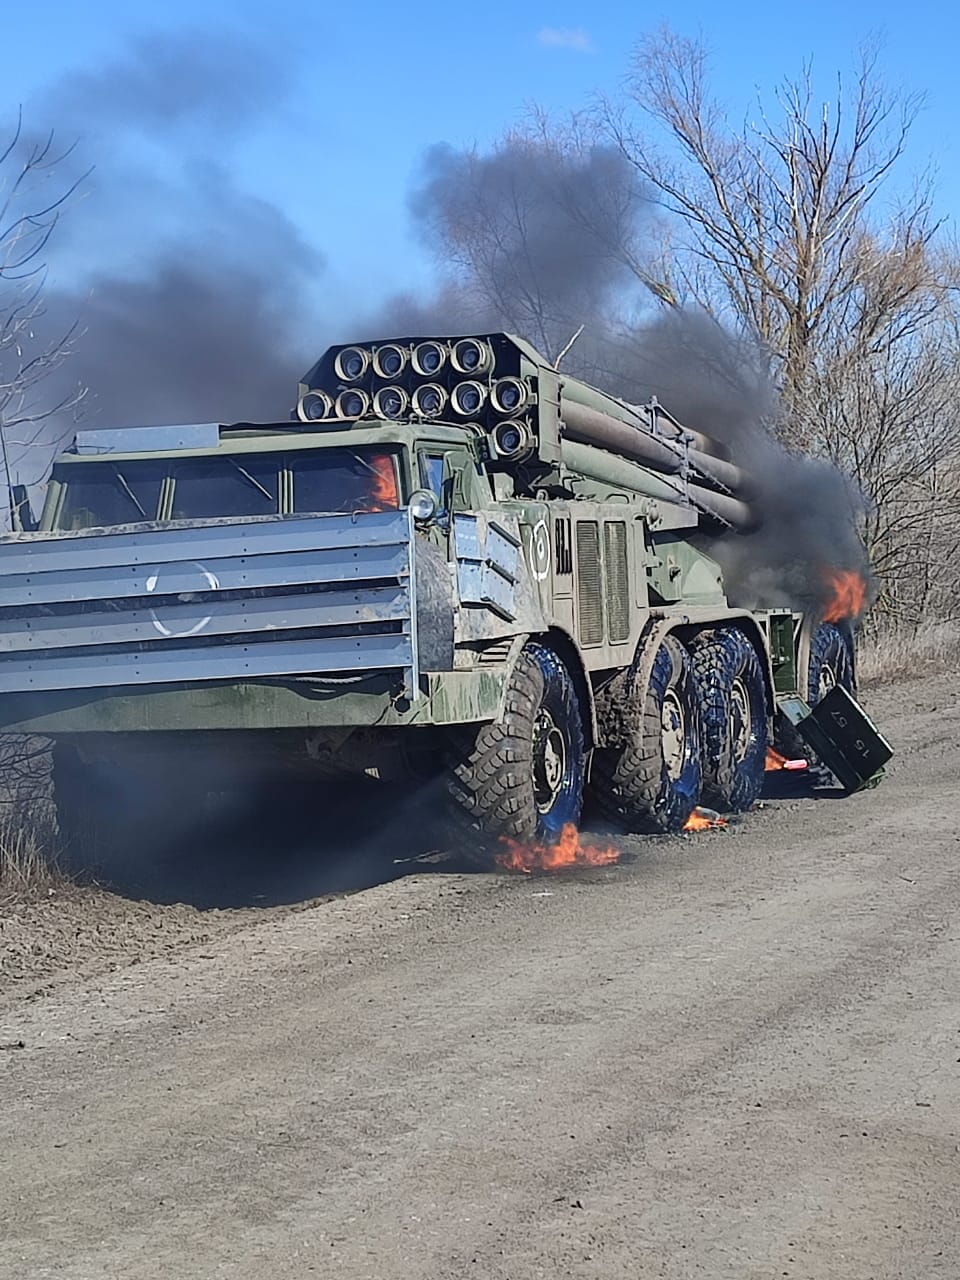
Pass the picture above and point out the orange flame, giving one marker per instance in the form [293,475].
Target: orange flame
[704,820]
[848,595]
[567,852]
[383,484]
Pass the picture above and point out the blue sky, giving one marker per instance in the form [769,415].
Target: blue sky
[363,90]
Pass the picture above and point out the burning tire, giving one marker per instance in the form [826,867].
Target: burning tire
[733,711]
[521,779]
[650,780]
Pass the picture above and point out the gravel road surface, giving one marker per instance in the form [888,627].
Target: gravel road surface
[735,1055]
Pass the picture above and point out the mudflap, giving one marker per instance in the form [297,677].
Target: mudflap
[842,736]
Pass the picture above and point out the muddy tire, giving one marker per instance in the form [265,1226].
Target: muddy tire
[650,780]
[733,718]
[521,778]
[831,663]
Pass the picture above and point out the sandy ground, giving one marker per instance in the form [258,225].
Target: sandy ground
[732,1056]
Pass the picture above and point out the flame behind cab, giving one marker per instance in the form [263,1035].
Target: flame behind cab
[848,595]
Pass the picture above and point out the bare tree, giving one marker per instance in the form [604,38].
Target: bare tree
[782,235]
[777,217]
[32,198]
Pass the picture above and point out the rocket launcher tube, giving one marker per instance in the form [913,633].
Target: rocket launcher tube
[600,464]
[590,426]
[651,419]
[720,472]
[621,473]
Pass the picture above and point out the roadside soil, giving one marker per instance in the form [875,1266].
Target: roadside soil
[733,1055]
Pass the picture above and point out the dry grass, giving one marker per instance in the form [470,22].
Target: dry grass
[28,835]
[892,651]
[28,852]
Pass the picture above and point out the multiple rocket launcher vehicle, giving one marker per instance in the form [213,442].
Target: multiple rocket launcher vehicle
[454,566]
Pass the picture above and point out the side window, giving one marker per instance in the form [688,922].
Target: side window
[431,474]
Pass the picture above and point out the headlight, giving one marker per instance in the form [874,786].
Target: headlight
[351,363]
[352,404]
[428,358]
[314,405]
[467,397]
[508,395]
[469,355]
[390,402]
[423,505]
[389,360]
[429,400]
[511,440]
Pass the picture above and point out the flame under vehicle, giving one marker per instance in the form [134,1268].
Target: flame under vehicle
[453,565]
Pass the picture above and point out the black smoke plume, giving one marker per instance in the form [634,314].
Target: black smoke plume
[543,240]
[807,512]
[192,301]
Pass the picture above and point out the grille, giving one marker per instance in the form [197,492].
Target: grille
[616,581]
[492,655]
[589,591]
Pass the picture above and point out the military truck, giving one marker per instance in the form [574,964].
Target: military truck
[453,566]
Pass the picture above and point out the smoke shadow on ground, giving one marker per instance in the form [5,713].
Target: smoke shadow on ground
[280,855]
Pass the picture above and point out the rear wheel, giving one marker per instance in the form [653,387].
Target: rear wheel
[733,709]
[831,663]
[522,778]
[650,779]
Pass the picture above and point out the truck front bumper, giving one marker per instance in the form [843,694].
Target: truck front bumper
[446,697]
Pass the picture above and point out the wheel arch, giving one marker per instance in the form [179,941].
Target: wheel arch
[566,650]
[658,629]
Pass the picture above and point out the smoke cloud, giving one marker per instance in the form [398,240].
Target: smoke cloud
[193,304]
[807,512]
[546,239]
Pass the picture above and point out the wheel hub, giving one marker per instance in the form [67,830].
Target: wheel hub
[549,761]
[673,733]
[741,720]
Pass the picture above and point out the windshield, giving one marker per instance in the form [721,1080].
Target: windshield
[100,494]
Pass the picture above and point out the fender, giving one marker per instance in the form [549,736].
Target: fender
[685,627]
[565,647]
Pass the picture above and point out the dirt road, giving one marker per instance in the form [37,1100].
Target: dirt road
[733,1056]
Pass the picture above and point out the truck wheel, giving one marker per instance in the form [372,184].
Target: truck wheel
[521,778]
[650,781]
[830,663]
[733,715]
